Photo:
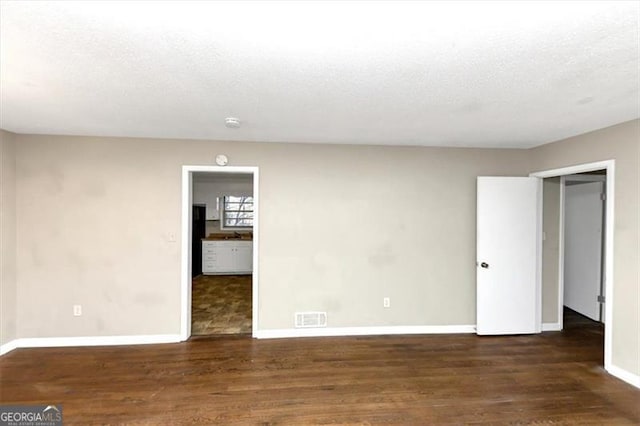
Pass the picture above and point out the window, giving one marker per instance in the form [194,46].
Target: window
[237,212]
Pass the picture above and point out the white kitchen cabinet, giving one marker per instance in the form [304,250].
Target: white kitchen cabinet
[211,203]
[213,213]
[227,257]
[204,194]
[244,256]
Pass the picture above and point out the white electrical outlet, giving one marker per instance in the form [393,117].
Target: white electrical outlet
[77,310]
[386,302]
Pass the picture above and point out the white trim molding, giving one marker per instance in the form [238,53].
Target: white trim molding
[8,347]
[624,375]
[551,326]
[363,331]
[56,342]
[610,167]
[561,254]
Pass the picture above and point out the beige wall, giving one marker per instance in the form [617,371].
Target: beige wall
[8,288]
[622,143]
[550,249]
[94,214]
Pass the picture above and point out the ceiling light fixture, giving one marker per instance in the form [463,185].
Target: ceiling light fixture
[232,122]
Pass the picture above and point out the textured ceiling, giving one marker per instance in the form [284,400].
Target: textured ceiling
[486,74]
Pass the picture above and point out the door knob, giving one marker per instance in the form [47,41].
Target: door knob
[484,265]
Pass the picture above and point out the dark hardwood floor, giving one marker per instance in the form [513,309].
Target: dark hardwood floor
[552,378]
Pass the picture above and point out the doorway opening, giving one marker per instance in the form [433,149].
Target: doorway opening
[584,248]
[577,249]
[219,250]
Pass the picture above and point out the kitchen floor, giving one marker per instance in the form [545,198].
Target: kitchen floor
[221,304]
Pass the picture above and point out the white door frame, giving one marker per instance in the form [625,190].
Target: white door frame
[609,166]
[185,266]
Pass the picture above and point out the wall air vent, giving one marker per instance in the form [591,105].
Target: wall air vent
[311,319]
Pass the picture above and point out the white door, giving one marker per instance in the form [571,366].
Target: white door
[583,247]
[507,279]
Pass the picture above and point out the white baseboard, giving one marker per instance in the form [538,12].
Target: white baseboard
[551,326]
[624,375]
[54,342]
[363,331]
[8,347]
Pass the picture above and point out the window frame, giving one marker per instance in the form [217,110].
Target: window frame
[223,212]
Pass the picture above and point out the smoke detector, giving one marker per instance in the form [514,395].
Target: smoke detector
[232,122]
